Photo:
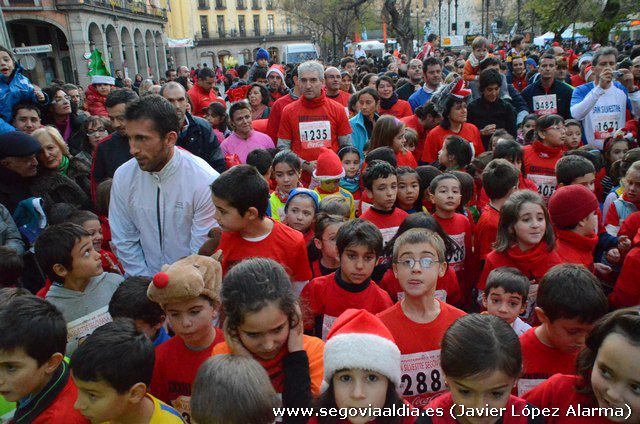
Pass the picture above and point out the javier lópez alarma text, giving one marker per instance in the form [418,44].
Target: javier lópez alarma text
[457,410]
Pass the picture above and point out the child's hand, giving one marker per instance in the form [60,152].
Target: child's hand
[613,256]
[295,341]
[234,343]
[488,130]
[624,244]
[39,94]
[602,270]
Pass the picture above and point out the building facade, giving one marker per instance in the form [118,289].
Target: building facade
[129,33]
[222,29]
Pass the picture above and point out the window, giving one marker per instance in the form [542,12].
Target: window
[255,5]
[270,27]
[270,5]
[221,30]
[288,26]
[241,26]
[240,5]
[204,26]
[203,4]
[256,25]
[221,4]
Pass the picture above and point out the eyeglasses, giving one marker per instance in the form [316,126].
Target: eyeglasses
[558,128]
[97,133]
[61,99]
[425,263]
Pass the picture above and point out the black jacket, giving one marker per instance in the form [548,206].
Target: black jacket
[13,188]
[77,133]
[200,140]
[112,152]
[406,91]
[562,91]
[482,113]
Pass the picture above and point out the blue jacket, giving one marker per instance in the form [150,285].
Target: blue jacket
[13,90]
[359,133]
[419,98]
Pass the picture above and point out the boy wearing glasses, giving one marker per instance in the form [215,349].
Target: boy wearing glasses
[418,322]
[359,245]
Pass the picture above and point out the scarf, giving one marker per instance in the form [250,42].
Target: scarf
[257,113]
[64,165]
[39,402]
[583,246]
[65,128]
[275,368]
[314,103]
[545,151]
[352,184]
[533,263]
[387,104]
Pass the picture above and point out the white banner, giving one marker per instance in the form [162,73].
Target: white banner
[179,42]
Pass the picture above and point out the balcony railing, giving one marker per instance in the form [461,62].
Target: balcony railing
[240,5]
[221,5]
[271,5]
[127,6]
[203,5]
[255,5]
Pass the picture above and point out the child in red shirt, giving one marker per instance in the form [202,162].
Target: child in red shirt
[286,173]
[447,288]
[324,241]
[328,173]
[569,300]
[409,197]
[241,196]
[263,321]
[359,245]
[456,153]
[419,321]
[300,211]
[445,196]
[540,158]
[381,185]
[350,158]
[473,361]
[190,305]
[388,131]
[606,368]
[499,181]
[362,369]
[525,241]
[573,213]
[626,204]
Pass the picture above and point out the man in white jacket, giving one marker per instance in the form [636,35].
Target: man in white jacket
[161,208]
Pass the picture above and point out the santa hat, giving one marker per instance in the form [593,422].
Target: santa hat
[358,339]
[587,72]
[571,204]
[583,58]
[455,89]
[328,166]
[103,79]
[239,93]
[279,70]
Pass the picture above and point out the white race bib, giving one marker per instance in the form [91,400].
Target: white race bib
[525,385]
[388,233]
[315,134]
[456,260]
[421,373]
[545,105]
[79,329]
[605,126]
[327,323]
[546,185]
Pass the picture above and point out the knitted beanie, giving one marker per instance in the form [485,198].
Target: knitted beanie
[301,190]
[358,339]
[18,144]
[328,166]
[571,204]
[103,79]
[262,54]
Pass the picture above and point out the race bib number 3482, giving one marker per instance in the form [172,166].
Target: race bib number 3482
[316,134]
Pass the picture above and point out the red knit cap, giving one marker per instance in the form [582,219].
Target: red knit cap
[571,204]
[328,167]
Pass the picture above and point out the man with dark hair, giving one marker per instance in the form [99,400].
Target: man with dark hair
[195,133]
[432,69]
[414,72]
[171,74]
[160,208]
[548,95]
[202,92]
[113,151]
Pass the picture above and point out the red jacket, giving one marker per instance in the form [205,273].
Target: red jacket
[95,102]
[201,99]
[573,248]
[275,114]
[626,292]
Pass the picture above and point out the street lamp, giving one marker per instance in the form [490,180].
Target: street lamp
[440,19]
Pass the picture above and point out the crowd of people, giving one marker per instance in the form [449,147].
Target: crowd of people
[438,236]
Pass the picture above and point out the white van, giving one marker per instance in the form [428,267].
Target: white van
[298,53]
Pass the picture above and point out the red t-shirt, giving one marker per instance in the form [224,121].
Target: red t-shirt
[284,245]
[626,291]
[539,362]
[327,299]
[573,248]
[405,158]
[386,221]
[435,140]
[201,99]
[419,346]
[400,109]
[560,392]
[413,123]
[447,288]
[342,98]
[629,226]
[175,370]
[459,229]
[275,115]
[486,231]
[523,184]
[577,80]
[540,167]
[312,125]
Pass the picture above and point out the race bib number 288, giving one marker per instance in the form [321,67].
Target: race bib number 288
[315,134]
[421,373]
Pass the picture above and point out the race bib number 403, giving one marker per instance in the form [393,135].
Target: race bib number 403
[316,134]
